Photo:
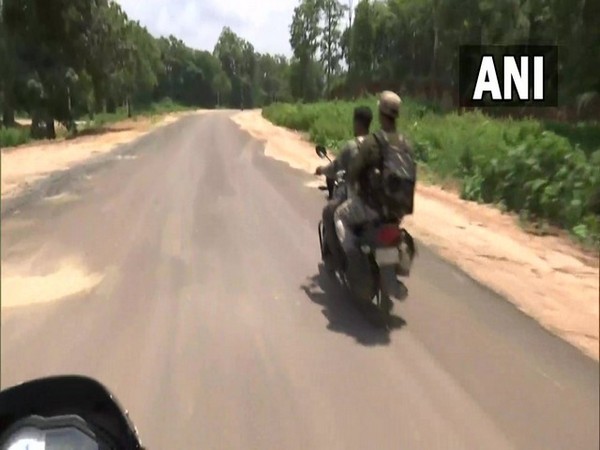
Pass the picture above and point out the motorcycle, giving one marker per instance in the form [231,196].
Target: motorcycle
[384,252]
[70,412]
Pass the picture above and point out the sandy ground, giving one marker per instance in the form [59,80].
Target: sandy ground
[545,277]
[23,165]
[66,279]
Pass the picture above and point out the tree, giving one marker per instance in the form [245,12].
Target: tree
[62,59]
[143,64]
[331,49]
[273,78]
[415,42]
[7,74]
[238,60]
[362,38]
[51,36]
[222,86]
[248,74]
[304,40]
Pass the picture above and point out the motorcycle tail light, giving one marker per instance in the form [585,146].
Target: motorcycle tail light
[388,235]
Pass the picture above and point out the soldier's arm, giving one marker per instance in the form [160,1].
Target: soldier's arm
[347,154]
[329,170]
[365,157]
[338,164]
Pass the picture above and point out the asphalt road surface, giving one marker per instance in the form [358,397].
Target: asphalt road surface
[214,327]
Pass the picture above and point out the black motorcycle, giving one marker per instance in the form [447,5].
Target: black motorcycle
[384,252]
[66,412]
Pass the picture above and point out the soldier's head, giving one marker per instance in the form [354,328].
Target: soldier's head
[362,120]
[389,109]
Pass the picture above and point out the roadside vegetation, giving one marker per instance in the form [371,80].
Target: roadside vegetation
[165,106]
[15,135]
[64,62]
[545,168]
[85,63]
[20,133]
[548,173]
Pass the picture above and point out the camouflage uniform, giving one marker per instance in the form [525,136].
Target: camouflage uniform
[359,208]
[342,162]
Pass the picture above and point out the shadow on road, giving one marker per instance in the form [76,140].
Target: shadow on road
[342,315]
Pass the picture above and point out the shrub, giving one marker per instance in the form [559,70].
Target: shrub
[547,172]
[10,137]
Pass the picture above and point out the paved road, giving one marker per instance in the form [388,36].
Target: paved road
[214,327]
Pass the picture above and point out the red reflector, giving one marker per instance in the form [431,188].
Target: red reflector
[388,235]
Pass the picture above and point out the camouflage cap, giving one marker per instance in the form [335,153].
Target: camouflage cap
[389,103]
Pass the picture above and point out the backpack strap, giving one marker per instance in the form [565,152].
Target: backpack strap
[358,140]
[373,198]
[381,140]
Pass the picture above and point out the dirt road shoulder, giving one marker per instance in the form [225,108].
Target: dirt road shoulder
[544,276]
[24,165]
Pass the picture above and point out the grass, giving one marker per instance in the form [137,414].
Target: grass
[153,110]
[548,173]
[13,136]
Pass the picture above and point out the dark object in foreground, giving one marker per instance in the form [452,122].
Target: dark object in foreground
[67,412]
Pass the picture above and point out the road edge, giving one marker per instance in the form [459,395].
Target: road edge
[40,188]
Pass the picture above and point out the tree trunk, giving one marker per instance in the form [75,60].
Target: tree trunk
[350,10]
[8,117]
[434,56]
[69,101]
[329,55]
[128,107]
[533,28]
[111,106]
[241,93]
[50,129]
[35,130]
[413,54]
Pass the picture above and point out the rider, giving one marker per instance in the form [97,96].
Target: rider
[362,119]
[371,201]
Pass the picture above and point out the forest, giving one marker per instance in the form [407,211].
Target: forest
[66,59]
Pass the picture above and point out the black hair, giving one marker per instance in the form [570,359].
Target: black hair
[364,116]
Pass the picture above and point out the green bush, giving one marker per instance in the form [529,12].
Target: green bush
[102,119]
[13,136]
[545,172]
[166,105]
[10,137]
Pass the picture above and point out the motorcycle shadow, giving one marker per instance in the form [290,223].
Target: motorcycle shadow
[343,315]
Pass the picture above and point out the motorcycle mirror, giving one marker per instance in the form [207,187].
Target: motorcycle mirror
[39,433]
[321,151]
[64,412]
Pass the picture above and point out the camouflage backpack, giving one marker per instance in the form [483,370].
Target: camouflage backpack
[397,175]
